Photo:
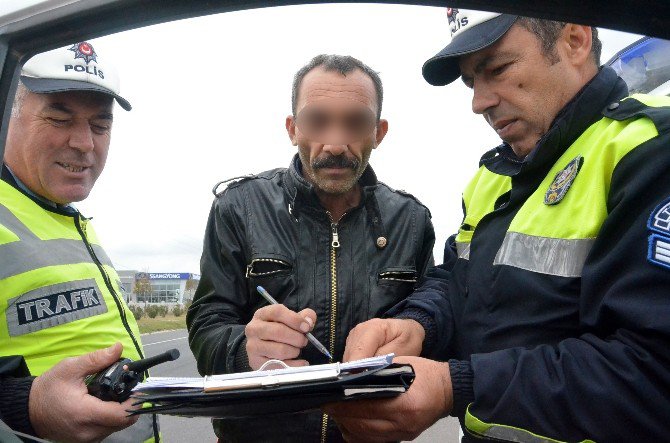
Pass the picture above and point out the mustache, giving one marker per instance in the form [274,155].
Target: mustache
[335,161]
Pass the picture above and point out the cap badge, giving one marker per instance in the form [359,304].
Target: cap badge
[562,182]
[455,23]
[84,50]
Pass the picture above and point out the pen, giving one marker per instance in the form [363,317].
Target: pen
[261,290]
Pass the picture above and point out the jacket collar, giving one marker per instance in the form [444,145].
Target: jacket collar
[577,115]
[300,191]
[8,176]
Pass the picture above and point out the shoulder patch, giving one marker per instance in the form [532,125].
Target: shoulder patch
[632,108]
[659,221]
[659,239]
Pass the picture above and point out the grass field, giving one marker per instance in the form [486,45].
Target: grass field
[159,323]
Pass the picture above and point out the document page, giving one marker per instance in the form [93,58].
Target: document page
[254,379]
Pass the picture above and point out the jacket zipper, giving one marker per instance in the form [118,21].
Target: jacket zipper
[81,227]
[334,244]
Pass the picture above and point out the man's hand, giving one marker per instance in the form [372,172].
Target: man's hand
[276,332]
[428,399]
[383,336]
[60,407]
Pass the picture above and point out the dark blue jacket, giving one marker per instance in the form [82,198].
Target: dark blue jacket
[566,358]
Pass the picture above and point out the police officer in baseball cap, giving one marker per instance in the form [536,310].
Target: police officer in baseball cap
[470,31]
[545,319]
[60,294]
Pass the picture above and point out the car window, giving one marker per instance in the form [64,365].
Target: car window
[210,96]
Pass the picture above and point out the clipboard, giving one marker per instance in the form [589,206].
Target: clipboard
[271,392]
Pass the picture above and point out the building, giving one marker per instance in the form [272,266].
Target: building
[158,287]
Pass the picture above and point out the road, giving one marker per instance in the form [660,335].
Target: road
[179,429]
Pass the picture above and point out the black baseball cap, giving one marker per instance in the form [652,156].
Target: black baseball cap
[471,31]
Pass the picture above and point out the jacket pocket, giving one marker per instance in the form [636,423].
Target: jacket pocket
[277,277]
[389,287]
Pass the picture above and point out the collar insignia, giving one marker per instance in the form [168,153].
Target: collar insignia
[562,182]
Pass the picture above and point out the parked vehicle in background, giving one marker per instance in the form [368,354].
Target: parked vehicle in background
[645,66]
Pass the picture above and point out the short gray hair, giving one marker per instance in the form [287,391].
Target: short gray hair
[19,95]
[343,64]
[548,31]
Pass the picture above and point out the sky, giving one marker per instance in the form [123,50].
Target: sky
[210,97]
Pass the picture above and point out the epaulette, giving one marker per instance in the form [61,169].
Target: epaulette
[488,155]
[632,108]
[230,183]
[406,194]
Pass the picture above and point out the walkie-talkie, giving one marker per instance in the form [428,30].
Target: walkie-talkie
[117,381]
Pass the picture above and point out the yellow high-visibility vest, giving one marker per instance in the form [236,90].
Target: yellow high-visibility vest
[59,293]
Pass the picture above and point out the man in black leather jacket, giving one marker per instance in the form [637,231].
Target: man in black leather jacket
[333,245]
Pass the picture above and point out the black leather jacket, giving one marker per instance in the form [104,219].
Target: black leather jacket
[271,230]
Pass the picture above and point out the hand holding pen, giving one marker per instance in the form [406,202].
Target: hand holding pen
[276,332]
[309,335]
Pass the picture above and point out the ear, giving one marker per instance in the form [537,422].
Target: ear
[578,42]
[290,128]
[382,129]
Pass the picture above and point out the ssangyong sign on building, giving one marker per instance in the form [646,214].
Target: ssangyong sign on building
[164,287]
[169,276]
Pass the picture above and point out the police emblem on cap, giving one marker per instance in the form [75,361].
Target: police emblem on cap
[562,182]
[85,51]
[456,21]
[659,240]
[451,16]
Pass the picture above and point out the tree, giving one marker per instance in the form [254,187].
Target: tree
[143,287]
[191,285]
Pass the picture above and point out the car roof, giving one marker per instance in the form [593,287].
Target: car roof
[31,26]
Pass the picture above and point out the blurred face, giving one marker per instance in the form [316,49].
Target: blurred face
[335,128]
[517,89]
[57,145]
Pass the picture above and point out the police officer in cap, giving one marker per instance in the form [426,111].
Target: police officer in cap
[548,320]
[60,295]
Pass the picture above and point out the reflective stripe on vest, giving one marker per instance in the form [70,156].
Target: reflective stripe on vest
[22,251]
[505,433]
[555,256]
[557,238]
[463,250]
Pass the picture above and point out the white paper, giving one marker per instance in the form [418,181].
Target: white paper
[271,377]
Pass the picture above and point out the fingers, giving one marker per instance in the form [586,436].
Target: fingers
[60,407]
[273,332]
[369,420]
[384,336]
[404,417]
[364,409]
[92,362]
[282,314]
[273,349]
[310,317]
[108,414]
[296,363]
[365,340]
